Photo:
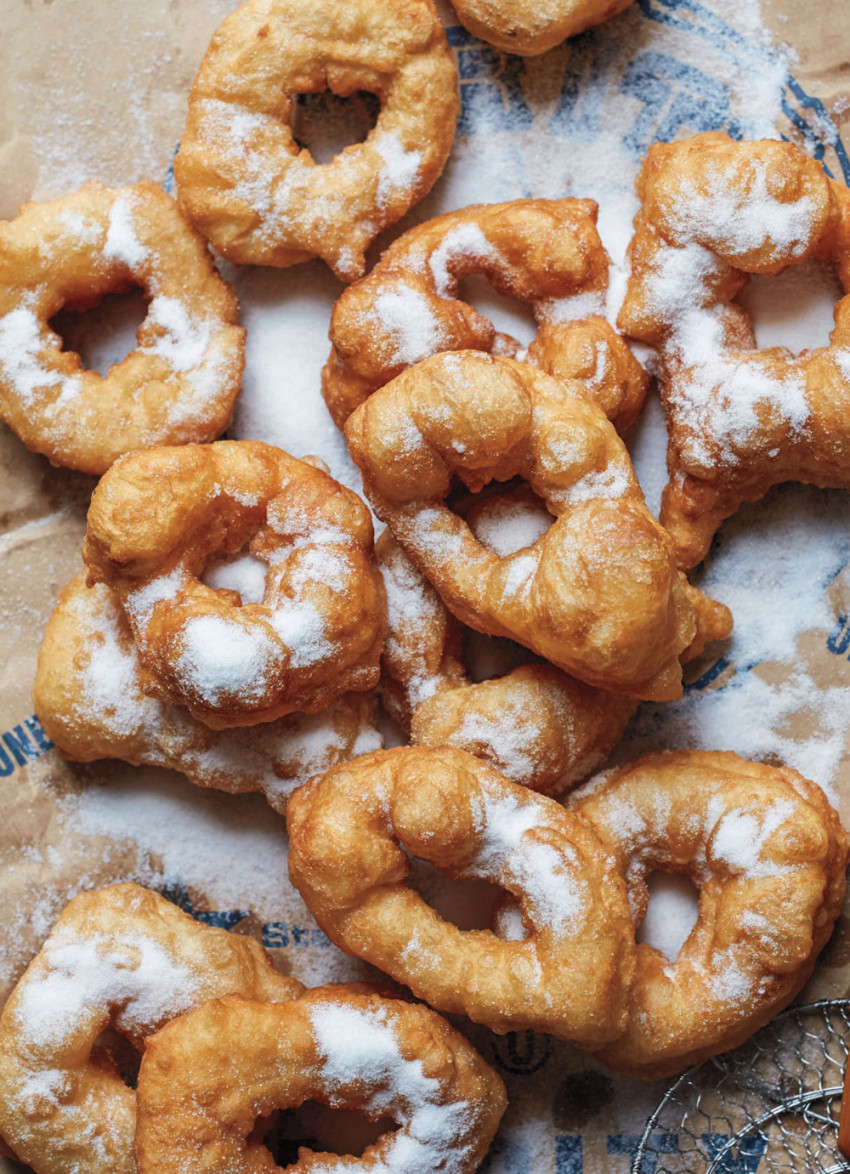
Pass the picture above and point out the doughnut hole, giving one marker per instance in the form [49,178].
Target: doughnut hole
[671,913]
[512,317]
[794,309]
[465,902]
[116,1053]
[105,334]
[321,1129]
[325,123]
[242,573]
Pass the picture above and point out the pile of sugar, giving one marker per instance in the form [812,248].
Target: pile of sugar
[360,1049]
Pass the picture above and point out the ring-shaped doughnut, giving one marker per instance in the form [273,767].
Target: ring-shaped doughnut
[207,1077]
[768,853]
[543,252]
[535,724]
[241,176]
[597,594]
[739,419]
[181,381]
[350,835]
[89,696]
[156,520]
[124,958]
[530,27]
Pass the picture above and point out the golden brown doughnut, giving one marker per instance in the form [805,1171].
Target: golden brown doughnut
[739,419]
[350,835]
[124,958]
[181,381]
[89,696]
[207,1077]
[156,520]
[241,176]
[544,252]
[598,594]
[529,27]
[537,725]
[768,854]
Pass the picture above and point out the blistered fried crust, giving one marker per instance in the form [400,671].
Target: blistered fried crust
[122,958]
[241,176]
[158,518]
[90,697]
[180,382]
[537,725]
[740,419]
[768,854]
[598,594]
[543,252]
[207,1077]
[529,27]
[350,835]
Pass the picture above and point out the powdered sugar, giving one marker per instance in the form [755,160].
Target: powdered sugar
[222,657]
[465,241]
[405,315]
[22,344]
[361,1047]
[742,835]
[513,853]
[400,168]
[301,626]
[611,483]
[140,603]
[122,243]
[130,976]
[242,572]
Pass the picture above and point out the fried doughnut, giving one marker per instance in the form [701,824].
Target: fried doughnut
[181,381]
[598,594]
[89,696]
[544,252]
[739,419]
[156,520]
[350,833]
[768,854]
[530,27]
[241,176]
[207,1077]
[537,725]
[122,958]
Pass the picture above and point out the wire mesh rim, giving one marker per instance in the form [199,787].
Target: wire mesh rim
[689,1073]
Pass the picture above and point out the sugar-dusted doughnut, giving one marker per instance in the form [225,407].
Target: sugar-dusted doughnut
[544,252]
[350,835]
[122,958]
[241,176]
[159,517]
[768,853]
[739,419]
[207,1077]
[598,593]
[180,382]
[535,724]
[90,698]
[529,27]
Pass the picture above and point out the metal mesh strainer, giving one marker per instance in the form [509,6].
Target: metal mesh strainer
[770,1106]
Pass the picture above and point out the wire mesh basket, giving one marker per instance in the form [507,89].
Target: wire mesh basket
[770,1106]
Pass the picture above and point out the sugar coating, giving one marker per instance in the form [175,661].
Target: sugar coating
[128,976]
[509,854]
[301,627]
[521,571]
[122,244]
[742,216]
[186,344]
[221,657]
[21,346]
[505,527]
[140,603]
[465,241]
[400,167]
[611,483]
[742,836]
[573,307]
[405,315]
[361,1050]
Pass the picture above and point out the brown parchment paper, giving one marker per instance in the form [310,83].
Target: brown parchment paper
[105,82]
